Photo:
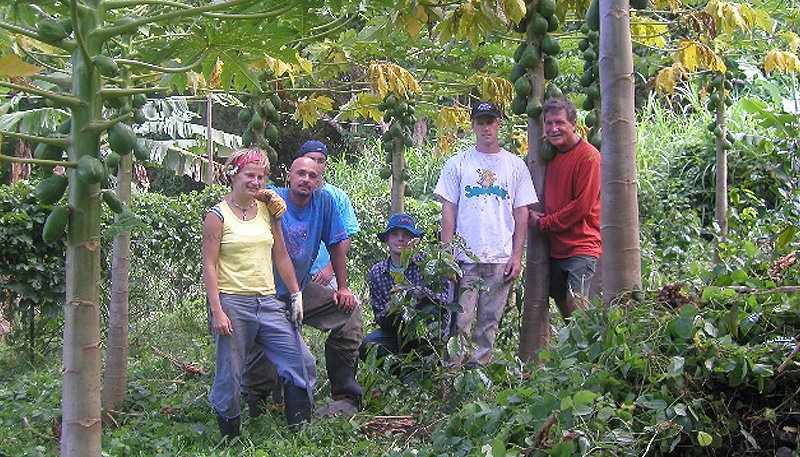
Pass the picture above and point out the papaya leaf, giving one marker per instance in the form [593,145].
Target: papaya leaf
[12,67]
[310,109]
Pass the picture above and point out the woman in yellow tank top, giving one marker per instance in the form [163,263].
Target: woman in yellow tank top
[242,240]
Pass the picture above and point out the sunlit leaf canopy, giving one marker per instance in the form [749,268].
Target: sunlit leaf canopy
[315,51]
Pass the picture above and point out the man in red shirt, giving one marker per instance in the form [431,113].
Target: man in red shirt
[572,207]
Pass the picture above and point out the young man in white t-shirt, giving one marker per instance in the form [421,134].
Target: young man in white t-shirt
[485,192]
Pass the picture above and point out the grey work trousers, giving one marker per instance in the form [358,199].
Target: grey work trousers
[320,311]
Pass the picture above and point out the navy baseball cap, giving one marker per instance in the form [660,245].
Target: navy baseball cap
[312,146]
[485,108]
[403,221]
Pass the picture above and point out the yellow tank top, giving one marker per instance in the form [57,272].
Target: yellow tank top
[245,256]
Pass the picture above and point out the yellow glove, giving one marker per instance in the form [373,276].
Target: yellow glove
[274,202]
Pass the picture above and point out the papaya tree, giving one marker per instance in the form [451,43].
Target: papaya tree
[99,106]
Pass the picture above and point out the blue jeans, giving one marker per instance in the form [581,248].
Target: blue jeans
[257,321]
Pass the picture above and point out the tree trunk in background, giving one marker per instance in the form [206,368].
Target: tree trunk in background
[115,376]
[721,195]
[398,183]
[535,326]
[20,171]
[620,214]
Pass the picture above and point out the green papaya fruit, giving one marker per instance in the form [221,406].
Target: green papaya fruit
[47,152]
[588,104]
[589,55]
[408,141]
[271,133]
[593,36]
[112,161]
[90,169]
[552,23]
[547,8]
[596,140]
[121,139]
[522,86]
[401,107]
[139,100]
[593,15]
[67,24]
[530,57]
[583,44]
[640,4]
[593,91]
[550,45]
[272,155]
[141,152]
[106,65]
[277,103]
[115,102]
[50,30]
[50,190]
[517,70]
[547,151]
[550,67]
[518,52]
[55,224]
[551,90]
[256,123]
[395,130]
[387,137]
[518,104]
[244,115]
[267,109]
[247,138]
[113,202]
[385,173]
[139,117]
[533,108]
[591,119]
[587,78]
[539,25]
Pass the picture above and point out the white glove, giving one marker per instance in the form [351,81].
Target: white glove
[296,308]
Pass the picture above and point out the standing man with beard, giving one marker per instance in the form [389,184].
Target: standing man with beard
[312,217]
[571,219]
[485,192]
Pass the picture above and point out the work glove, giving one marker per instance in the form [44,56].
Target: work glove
[296,308]
[275,204]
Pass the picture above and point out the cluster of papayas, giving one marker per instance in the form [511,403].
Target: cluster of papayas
[261,118]
[399,114]
[590,79]
[718,88]
[540,47]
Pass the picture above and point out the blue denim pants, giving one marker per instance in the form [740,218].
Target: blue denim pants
[257,321]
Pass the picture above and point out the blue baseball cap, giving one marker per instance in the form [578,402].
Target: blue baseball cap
[403,221]
[312,146]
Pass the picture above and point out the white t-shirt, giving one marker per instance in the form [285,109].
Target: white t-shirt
[486,188]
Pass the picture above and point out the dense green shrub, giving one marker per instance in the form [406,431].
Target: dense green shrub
[31,271]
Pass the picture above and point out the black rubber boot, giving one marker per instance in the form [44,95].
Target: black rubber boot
[297,405]
[229,428]
[342,374]
[256,405]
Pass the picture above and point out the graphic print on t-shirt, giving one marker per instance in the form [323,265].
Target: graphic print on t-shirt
[486,185]
[296,237]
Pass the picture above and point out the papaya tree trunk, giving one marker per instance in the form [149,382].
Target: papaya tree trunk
[80,395]
[115,376]
[398,183]
[535,326]
[620,213]
[721,191]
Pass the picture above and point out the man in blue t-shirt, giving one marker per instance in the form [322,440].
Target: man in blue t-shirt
[322,270]
[312,217]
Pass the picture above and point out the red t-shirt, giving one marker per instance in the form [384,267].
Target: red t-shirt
[572,202]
